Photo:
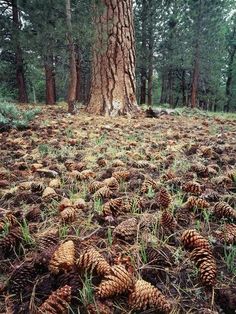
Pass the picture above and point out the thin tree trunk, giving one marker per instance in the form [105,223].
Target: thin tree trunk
[20,77]
[78,78]
[163,98]
[71,98]
[183,83]
[196,61]
[50,80]
[113,88]
[143,70]
[150,55]
[229,79]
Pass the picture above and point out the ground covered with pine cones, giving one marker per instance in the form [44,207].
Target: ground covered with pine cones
[101,215]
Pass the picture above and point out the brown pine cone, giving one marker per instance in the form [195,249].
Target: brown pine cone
[63,258]
[228,234]
[34,214]
[103,192]
[68,214]
[100,307]
[113,206]
[194,202]
[163,198]
[168,221]
[126,230]
[72,279]
[223,209]
[37,187]
[121,175]
[46,241]
[94,186]
[200,169]
[11,240]
[193,187]
[191,239]
[65,202]
[57,303]
[148,184]
[86,175]
[91,259]
[146,296]
[118,281]
[112,184]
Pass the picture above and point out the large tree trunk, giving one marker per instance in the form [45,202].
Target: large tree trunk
[20,77]
[143,65]
[150,52]
[71,98]
[50,80]
[113,74]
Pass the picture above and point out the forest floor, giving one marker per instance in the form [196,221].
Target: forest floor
[75,187]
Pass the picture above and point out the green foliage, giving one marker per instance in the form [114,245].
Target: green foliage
[12,117]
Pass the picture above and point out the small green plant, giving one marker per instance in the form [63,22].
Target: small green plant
[63,231]
[43,149]
[101,139]
[150,193]
[98,205]
[12,117]
[143,252]
[5,229]
[109,236]
[26,233]
[230,258]
[69,132]
[87,293]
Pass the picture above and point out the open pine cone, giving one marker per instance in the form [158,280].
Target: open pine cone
[126,230]
[146,296]
[163,198]
[168,221]
[223,209]
[118,281]
[63,258]
[193,188]
[93,260]
[57,303]
[205,261]
[194,202]
[191,239]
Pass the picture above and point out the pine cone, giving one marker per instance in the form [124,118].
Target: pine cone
[63,258]
[101,162]
[194,202]
[11,240]
[64,203]
[100,307]
[228,234]
[71,278]
[86,175]
[193,187]
[33,215]
[93,260]
[49,193]
[118,281]
[112,184]
[21,280]
[126,230]
[191,239]
[146,296]
[164,198]
[168,221]
[159,256]
[206,263]
[148,184]
[103,192]
[68,214]
[37,187]
[44,242]
[114,205]
[223,209]
[121,175]
[94,186]
[200,169]
[118,163]
[57,303]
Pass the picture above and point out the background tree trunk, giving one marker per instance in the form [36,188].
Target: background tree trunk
[151,27]
[143,70]
[113,90]
[20,77]
[78,78]
[50,80]
[71,98]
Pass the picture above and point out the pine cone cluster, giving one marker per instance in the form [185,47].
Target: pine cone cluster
[146,296]
[193,188]
[168,221]
[223,209]
[118,281]
[126,230]
[191,239]
[205,261]
[57,303]
[63,258]
[194,202]
[91,259]
[163,198]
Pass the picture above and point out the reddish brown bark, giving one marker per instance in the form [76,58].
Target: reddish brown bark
[20,76]
[71,98]
[50,80]
[113,74]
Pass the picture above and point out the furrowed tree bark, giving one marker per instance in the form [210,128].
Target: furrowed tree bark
[150,52]
[50,80]
[20,76]
[71,98]
[113,72]
[78,78]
